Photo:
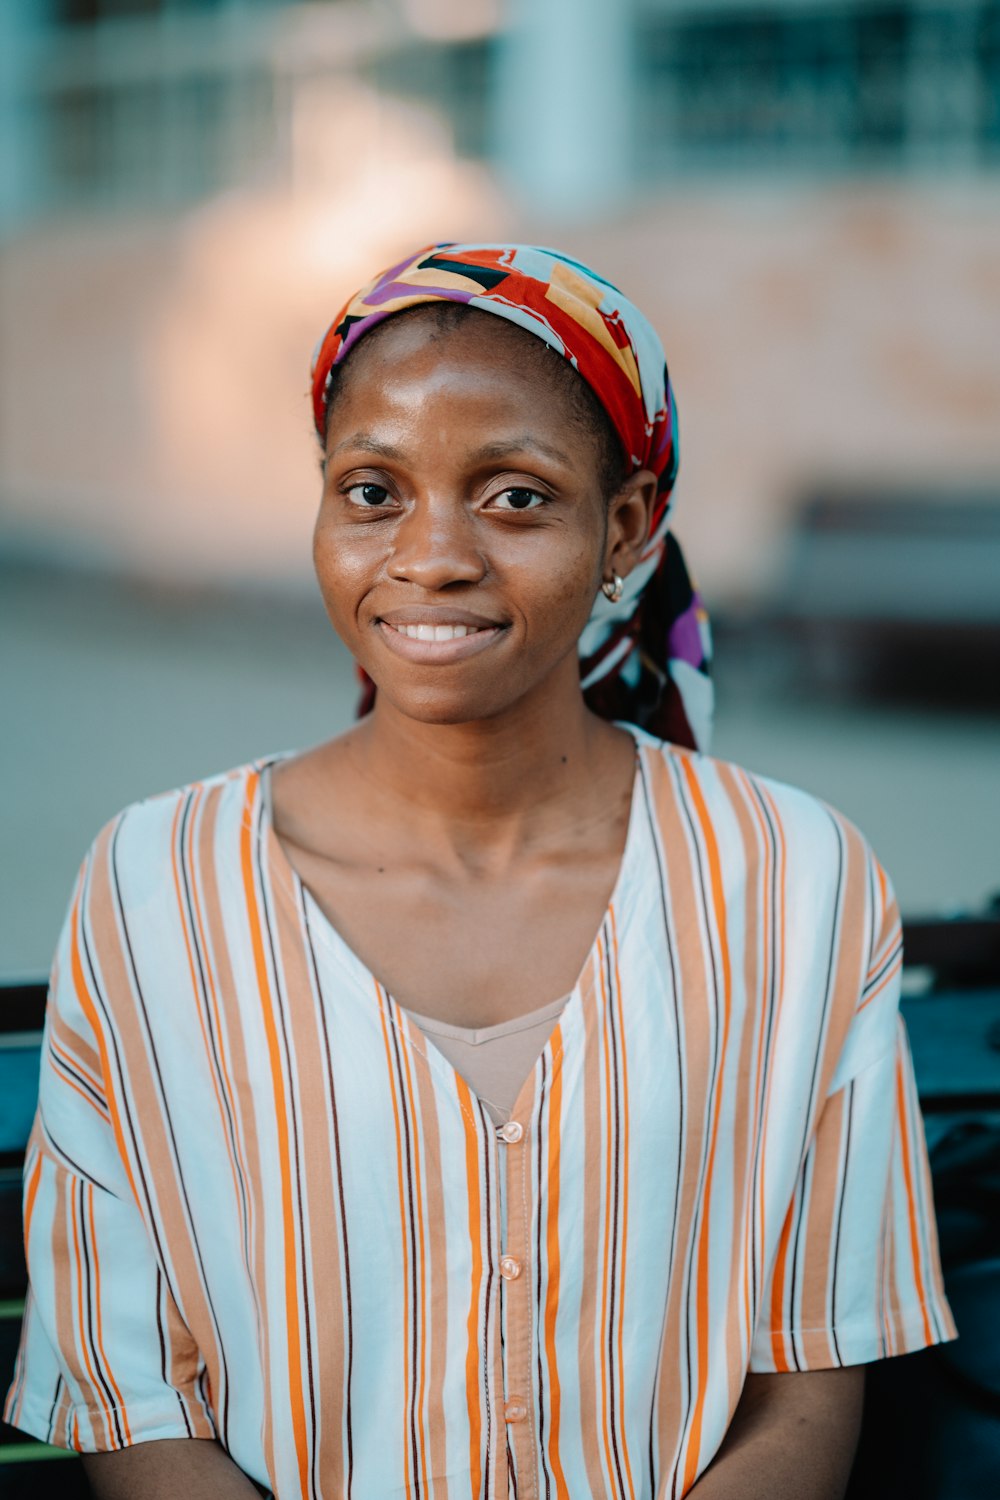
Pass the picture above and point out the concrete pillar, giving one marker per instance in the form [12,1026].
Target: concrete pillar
[562,106]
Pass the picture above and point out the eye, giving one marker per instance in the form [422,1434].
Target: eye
[519,499]
[368,496]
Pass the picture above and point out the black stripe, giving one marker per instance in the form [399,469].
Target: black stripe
[87,1293]
[163,1352]
[141,1004]
[187,876]
[64,1159]
[834,948]
[55,1403]
[801,1218]
[62,1066]
[511,1471]
[340,1191]
[840,1215]
[817,1057]
[884,967]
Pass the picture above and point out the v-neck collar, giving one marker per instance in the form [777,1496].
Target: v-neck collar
[332,941]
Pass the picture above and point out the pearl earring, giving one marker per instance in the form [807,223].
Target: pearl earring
[612,588]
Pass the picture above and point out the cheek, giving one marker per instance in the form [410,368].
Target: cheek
[345,562]
[565,590]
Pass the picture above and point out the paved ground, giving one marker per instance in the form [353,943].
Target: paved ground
[111,692]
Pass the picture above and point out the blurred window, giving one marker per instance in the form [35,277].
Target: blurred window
[804,86]
[134,103]
[86,12]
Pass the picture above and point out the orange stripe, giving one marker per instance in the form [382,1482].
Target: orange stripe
[422,1270]
[402,1225]
[888,1276]
[765,928]
[295,1392]
[95,1383]
[472,1346]
[208,974]
[552,1265]
[719,904]
[90,1011]
[625,1134]
[904,1120]
[95,1261]
[779,981]
[777,1342]
[607,1214]
[778,1293]
[34,1178]
[882,887]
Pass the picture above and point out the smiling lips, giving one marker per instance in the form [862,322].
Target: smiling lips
[437,635]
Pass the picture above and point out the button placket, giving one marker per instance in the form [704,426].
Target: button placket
[515,1265]
[496,1387]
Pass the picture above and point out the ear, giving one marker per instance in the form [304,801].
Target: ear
[630,511]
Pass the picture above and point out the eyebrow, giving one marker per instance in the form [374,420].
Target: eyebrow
[523,443]
[369,444]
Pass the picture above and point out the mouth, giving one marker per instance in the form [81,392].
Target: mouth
[437,641]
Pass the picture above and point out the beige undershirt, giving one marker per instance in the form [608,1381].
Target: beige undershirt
[493,1060]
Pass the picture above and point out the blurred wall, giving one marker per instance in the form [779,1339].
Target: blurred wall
[153,379]
[802,194]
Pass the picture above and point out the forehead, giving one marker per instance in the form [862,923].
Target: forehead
[453,329]
[442,345]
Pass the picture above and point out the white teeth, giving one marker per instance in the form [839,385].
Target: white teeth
[436,632]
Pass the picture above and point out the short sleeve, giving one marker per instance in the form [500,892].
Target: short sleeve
[857,1274]
[105,1359]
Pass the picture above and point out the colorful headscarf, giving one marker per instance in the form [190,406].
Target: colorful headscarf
[646,658]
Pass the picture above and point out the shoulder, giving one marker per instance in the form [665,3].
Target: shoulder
[722,788]
[138,852]
[750,820]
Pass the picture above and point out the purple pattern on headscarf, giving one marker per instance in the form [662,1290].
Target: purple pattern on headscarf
[684,639]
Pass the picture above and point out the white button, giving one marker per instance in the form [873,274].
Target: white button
[510,1267]
[515,1411]
[511,1132]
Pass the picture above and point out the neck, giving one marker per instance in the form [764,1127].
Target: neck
[491,789]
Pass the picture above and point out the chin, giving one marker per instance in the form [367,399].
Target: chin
[443,706]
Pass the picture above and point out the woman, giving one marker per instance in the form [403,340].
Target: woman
[500,1098]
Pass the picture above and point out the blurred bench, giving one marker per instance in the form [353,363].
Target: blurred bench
[954,1027]
[28,1470]
[895,592]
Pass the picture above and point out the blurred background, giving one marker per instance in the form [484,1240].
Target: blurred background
[803,195]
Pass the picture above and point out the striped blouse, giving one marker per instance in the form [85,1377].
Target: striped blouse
[261,1206]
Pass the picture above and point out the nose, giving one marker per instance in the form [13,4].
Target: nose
[436,545]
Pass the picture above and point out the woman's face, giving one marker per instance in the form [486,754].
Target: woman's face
[463,533]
